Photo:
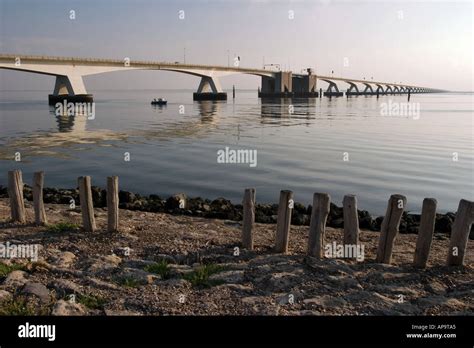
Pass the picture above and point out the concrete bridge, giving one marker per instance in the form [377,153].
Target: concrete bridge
[69,73]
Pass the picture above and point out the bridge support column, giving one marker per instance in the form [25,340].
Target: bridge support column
[304,86]
[279,87]
[209,89]
[332,90]
[368,90]
[70,88]
[353,89]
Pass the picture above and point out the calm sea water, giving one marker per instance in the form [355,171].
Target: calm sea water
[336,145]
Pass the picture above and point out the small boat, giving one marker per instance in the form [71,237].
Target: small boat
[159,101]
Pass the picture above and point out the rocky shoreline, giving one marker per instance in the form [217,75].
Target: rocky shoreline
[222,208]
[165,264]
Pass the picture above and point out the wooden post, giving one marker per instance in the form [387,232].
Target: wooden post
[460,233]
[40,213]
[87,208]
[425,234]
[389,229]
[317,227]
[112,203]
[285,208]
[248,220]
[15,192]
[351,220]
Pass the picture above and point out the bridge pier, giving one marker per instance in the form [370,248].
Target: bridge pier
[332,90]
[70,88]
[353,89]
[209,89]
[304,86]
[279,87]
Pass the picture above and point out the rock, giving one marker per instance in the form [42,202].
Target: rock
[283,280]
[337,223]
[177,201]
[180,269]
[15,279]
[395,290]
[99,197]
[300,219]
[138,275]
[235,287]
[325,301]
[64,287]
[5,295]
[175,282]
[164,257]
[365,220]
[97,283]
[299,208]
[378,223]
[234,276]
[345,282]
[38,290]
[251,300]
[436,288]
[126,197]
[67,308]
[65,260]
[443,223]
[287,299]
[105,263]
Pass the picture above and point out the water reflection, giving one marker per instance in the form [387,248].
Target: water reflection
[285,111]
[208,109]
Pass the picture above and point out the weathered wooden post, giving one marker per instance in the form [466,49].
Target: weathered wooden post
[317,228]
[351,220]
[425,234]
[87,208]
[389,229]
[40,213]
[248,220]
[460,233]
[285,208]
[15,192]
[112,203]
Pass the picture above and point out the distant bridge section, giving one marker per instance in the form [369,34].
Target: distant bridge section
[69,73]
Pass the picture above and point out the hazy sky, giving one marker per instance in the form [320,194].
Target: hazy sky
[423,43]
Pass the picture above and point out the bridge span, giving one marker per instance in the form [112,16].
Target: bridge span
[69,73]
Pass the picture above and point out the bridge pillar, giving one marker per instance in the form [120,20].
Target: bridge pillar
[368,90]
[70,88]
[304,86]
[353,89]
[281,86]
[209,89]
[379,90]
[332,90]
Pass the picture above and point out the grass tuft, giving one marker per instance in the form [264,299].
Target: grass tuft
[200,276]
[62,227]
[128,282]
[160,268]
[7,269]
[91,301]
[19,306]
